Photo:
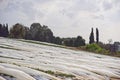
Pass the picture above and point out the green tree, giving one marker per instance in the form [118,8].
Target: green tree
[18,31]
[91,38]
[4,30]
[97,35]
[79,41]
[58,40]
[0,29]
[69,41]
[41,33]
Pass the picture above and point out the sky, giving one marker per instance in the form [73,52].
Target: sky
[66,18]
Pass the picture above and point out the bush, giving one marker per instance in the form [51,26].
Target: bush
[95,48]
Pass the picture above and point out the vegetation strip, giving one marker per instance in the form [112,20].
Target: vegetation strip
[55,73]
[3,75]
[10,48]
[5,47]
[10,57]
[35,42]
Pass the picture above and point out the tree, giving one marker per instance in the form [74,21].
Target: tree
[41,33]
[79,41]
[74,42]
[0,29]
[18,31]
[91,38]
[66,42]
[47,34]
[4,30]
[27,35]
[35,28]
[69,41]
[97,35]
[58,40]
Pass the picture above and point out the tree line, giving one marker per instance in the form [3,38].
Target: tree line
[42,33]
[38,32]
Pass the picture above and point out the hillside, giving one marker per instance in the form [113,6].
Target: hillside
[32,60]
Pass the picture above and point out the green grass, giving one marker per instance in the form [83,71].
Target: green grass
[55,73]
[6,75]
[64,75]
[95,48]
[16,64]
[5,47]
[10,57]
[11,47]
[2,62]
[42,43]
[10,63]
[49,72]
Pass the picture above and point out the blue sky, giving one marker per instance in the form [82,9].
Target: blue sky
[66,18]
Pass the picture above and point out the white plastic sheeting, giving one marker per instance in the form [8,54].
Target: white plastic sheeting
[78,63]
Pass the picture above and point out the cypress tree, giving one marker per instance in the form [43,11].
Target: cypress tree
[91,38]
[97,35]
[3,30]
[0,30]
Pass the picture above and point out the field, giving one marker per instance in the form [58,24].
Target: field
[32,60]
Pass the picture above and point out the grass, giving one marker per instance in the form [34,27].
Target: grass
[64,75]
[116,54]
[3,75]
[42,43]
[10,63]
[95,48]
[16,64]
[11,47]
[57,74]
[10,57]
[5,47]
[2,62]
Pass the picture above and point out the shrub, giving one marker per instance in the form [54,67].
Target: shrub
[95,48]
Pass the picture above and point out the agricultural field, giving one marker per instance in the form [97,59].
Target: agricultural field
[32,60]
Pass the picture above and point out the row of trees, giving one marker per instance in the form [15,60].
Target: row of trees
[39,33]
[74,42]
[91,38]
[35,32]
